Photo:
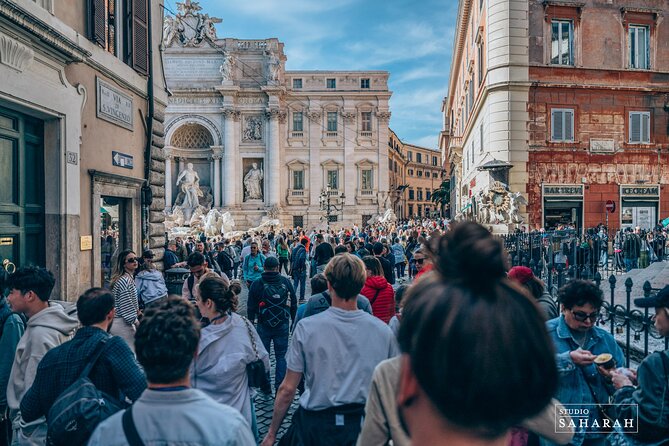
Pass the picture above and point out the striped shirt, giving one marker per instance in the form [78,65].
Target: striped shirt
[125,299]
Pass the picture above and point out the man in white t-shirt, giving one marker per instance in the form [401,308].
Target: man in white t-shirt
[336,351]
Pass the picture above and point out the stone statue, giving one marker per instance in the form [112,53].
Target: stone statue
[227,67]
[517,200]
[189,27]
[273,67]
[252,183]
[190,186]
[171,28]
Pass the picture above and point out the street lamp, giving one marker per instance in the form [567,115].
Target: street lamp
[330,203]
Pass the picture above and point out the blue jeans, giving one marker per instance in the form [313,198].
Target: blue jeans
[631,264]
[279,335]
[301,279]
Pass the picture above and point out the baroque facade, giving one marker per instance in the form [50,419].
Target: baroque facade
[266,142]
[565,103]
[76,147]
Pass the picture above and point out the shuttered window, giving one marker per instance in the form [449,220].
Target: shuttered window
[140,36]
[562,125]
[639,127]
[102,24]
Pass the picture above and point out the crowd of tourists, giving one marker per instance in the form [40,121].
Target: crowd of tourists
[416,333]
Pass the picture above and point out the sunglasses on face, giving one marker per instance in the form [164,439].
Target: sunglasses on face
[419,261]
[582,316]
[131,260]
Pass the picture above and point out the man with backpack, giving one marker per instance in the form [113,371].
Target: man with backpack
[298,266]
[115,371]
[272,298]
[48,326]
[224,260]
[12,326]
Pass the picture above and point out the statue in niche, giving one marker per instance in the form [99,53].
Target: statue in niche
[253,183]
[190,186]
[227,67]
[273,67]
[253,129]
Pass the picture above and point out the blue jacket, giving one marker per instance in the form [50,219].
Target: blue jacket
[11,331]
[573,387]
[249,262]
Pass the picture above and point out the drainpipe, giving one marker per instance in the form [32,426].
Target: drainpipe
[147,195]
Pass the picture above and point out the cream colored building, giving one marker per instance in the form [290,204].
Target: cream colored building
[74,103]
[485,132]
[233,105]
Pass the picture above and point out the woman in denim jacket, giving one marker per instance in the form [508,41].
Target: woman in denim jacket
[577,343]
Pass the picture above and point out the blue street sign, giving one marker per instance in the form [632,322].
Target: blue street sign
[122,160]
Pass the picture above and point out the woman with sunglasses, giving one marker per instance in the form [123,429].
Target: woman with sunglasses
[125,297]
[578,341]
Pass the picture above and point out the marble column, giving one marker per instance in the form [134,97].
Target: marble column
[273,180]
[168,179]
[182,163]
[350,179]
[229,158]
[217,178]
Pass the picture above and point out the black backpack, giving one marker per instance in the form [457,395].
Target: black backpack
[225,261]
[274,304]
[80,408]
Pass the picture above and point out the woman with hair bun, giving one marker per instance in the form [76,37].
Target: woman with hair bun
[476,356]
[225,348]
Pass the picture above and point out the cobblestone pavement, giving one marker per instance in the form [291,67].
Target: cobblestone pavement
[265,404]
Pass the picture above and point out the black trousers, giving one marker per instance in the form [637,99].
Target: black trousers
[336,426]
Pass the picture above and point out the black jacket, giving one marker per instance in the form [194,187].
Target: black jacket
[323,253]
[387,269]
[256,290]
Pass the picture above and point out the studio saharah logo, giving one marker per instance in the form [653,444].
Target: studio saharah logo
[597,418]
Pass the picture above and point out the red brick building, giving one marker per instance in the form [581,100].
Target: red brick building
[598,112]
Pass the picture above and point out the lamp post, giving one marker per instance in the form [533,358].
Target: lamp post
[330,203]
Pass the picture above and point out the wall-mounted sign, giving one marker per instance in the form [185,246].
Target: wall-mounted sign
[113,105]
[72,157]
[122,160]
[563,190]
[86,242]
[636,190]
[602,146]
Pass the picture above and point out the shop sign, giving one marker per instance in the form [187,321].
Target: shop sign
[113,105]
[639,191]
[562,191]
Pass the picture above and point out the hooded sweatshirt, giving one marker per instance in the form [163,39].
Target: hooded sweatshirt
[381,295]
[44,331]
[150,285]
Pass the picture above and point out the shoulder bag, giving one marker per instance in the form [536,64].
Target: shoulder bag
[258,376]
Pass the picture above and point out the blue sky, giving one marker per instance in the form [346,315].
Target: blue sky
[412,39]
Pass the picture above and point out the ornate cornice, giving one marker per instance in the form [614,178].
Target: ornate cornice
[43,32]
[314,115]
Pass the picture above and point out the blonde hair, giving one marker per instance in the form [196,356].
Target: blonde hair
[346,274]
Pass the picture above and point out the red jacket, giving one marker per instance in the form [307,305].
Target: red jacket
[382,297]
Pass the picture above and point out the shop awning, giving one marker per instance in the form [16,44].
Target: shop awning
[495,164]
[103,210]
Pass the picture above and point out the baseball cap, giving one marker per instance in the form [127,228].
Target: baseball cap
[147,254]
[661,299]
[521,274]
[271,263]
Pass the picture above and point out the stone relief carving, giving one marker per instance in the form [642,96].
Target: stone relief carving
[497,205]
[189,28]
[348,116]
[252,128]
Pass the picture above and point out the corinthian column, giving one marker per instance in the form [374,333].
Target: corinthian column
[216,157]
[273,180]
[168,178]
[229,158]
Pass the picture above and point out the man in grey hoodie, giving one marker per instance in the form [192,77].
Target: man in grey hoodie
[48,326]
